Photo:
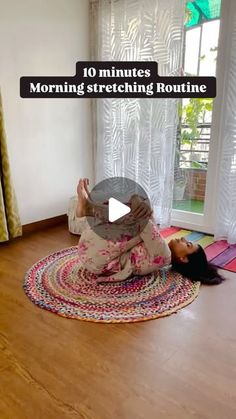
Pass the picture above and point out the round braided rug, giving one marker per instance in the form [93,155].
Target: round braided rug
[57,283]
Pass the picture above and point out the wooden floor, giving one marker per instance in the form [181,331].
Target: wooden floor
[178,367]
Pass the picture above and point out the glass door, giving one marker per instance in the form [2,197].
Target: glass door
[194,135]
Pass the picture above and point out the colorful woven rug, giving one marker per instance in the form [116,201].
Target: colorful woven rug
[57,283]
[221,253]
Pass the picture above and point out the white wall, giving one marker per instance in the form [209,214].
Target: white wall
[49,140]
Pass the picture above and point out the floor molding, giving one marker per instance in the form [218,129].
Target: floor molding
[41,225]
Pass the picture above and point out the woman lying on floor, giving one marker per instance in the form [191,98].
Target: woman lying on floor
[139,255]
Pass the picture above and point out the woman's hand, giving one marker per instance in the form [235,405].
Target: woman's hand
[139,207]
[143,210]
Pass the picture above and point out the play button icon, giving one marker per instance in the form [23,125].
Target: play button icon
[116,210]
[113,217]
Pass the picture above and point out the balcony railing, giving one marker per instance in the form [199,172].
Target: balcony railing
[194,153]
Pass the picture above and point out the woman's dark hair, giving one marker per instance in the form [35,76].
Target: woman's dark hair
[199,269]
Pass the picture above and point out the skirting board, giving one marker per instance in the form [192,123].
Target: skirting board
[41,225]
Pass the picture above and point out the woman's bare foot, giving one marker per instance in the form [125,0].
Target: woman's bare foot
[84,207]
[86,183]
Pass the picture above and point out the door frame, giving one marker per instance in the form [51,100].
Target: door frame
[206,222]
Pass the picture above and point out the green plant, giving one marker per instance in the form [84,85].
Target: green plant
[191,116]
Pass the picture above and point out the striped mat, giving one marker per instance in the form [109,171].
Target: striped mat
[221,253]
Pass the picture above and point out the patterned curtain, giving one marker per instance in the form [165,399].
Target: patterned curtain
[226,210]
[10,225]
[136,138]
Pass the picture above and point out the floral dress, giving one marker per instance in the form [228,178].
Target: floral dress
[116,261]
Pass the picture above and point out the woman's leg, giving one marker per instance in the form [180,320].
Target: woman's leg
[141,254]
[147,256]
[95,252]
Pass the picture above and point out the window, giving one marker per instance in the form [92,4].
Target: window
[200,54]
[201,34]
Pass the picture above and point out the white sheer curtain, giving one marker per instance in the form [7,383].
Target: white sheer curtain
[136,138]
[226,209]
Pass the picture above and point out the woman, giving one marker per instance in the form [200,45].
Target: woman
[140,255]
